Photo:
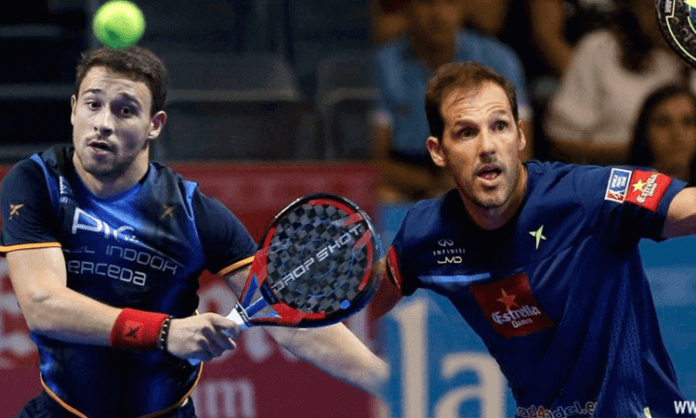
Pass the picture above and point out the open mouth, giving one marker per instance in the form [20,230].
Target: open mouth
[99,145]
[489,172]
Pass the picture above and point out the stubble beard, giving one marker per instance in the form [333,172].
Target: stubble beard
[511,177]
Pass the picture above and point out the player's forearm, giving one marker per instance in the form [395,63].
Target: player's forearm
[336,351]
[68,316]
[49,307]
[681,216]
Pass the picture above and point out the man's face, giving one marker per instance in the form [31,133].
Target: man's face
[480,145]
[434,21]
[112,123]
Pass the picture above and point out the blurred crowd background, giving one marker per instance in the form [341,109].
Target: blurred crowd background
[333,80]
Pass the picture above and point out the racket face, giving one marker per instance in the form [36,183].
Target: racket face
[318,256]
[676,22]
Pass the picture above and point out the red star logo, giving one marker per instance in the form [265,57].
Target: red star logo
[133,330]
[508,300]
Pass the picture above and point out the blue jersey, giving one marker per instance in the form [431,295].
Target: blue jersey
[558,295]
[143,248]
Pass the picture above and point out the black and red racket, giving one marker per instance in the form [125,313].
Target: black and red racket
[676,22]
[315,266]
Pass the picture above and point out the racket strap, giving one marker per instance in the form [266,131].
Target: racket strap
[136,330]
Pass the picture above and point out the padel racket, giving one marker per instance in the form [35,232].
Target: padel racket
[676,22]
[315,266]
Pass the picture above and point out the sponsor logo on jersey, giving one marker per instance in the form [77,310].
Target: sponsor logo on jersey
[86,222]
[617,185]
[647,188]
[646,412]
[14,209]
[563,411]
[511,307]
[65,191]
[455,259]
[167,211]
[446,247]
[538,236]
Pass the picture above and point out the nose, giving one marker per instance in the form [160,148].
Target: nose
[487,143]
[104,122]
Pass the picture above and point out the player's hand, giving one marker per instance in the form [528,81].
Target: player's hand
[203,337]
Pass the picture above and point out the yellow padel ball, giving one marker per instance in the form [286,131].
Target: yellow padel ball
[118,23]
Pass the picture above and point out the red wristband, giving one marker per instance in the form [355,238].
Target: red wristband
[136,330]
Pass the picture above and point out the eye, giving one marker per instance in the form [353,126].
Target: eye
[93,104]
[500,125]
[466,132]
[125,110]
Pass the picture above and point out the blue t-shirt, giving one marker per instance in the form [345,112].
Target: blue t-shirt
[558,295]
[402,77]
[144,248]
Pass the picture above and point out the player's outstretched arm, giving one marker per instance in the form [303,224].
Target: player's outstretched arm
[681,216]
[52,309]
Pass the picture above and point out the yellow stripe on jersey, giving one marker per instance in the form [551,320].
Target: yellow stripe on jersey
[239,264]
[16,247]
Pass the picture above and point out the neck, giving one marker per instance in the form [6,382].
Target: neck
[494,218]
[114,183]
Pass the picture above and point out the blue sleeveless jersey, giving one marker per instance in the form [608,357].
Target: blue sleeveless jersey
[558,295]
[144,248]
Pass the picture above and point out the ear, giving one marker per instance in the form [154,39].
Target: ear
[435,150]
[157,124]
[522,142]
[73,102]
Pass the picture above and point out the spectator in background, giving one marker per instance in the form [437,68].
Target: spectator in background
[546,44]
[664,136]
[590,119]
[389,19]
[558,24]
[403,65]
[486,16]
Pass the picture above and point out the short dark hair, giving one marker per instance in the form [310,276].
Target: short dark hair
[137,63]
[466,75]
[641,153]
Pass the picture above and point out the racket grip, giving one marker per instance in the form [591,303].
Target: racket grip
[236,317]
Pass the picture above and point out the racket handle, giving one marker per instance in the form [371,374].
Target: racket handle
[236,317]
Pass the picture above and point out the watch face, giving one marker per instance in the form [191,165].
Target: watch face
[676,21]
